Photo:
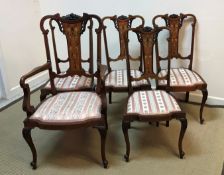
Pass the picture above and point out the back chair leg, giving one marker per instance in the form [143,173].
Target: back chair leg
[204,98]
[43,94]
[125,127]
[103,133]
[182,132]
[187,96]
[167,123]
[110,97]
[27,136]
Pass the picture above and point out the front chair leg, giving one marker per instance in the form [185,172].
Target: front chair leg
[204,98]
[28,138]
[103,133]
[125,127]
[182,132]
[167,123]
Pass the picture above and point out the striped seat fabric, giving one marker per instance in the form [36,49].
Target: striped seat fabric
[154,102]
[118,78]
[69,107]
[71,83]
[181,77]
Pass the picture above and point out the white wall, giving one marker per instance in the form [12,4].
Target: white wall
[21,41]
[209,50]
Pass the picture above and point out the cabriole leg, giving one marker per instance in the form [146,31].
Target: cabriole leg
[103,133]
[125,127]
[182,132]
[28,138]
[204,98]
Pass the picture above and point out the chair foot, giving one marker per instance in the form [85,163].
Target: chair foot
[105,164]
[34,165]
[27,136]
[110,97]
[103,133]
[204,98]
[182,155]
[125,127]
[126,158]
[181,136]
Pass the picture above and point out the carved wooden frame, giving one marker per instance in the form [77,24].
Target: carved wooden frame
[175,22]
[72,26]
[148,39]
[100,124]
[121,24]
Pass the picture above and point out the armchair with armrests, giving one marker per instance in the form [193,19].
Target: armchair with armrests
[72,109]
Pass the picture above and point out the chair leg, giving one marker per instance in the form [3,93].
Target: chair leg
[27,136]
[43,94]
[125,127]
[110,97]
[187,96]
[103,133]
[167,123]
[182,132]
[204,98]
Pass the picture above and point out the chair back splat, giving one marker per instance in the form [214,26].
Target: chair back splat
[147,37]
[175,23]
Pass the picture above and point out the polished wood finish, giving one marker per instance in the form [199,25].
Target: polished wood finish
[147,36]
[175,23]
[72,27]
[70,23]
[121,24]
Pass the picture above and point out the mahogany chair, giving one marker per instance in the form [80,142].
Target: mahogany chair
[152,105]
[75,82]
[181,79]
[68,110]
[116,80]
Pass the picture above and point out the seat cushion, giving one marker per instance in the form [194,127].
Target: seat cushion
[69,106]
[181,77]
[153,102]
[118,78]
[71,83]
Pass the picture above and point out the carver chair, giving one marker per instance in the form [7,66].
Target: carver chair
[116,80]
[182,79]
[75,82]
[68,110]
[152,105]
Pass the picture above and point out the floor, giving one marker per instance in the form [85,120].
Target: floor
[153,149]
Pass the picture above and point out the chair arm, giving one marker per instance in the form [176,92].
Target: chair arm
[27,107]
[103,70]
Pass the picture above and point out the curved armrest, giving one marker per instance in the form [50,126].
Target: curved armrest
[27,107]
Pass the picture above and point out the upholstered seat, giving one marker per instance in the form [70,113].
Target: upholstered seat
[71,83]
[181,77]
[154,102]
[69,107]
[118,78]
